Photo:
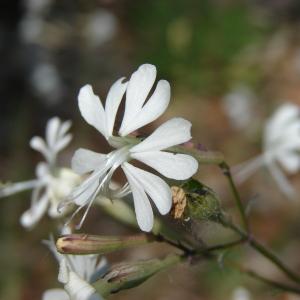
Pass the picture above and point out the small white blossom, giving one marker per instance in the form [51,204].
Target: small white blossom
[52,184]
[76,272]
[281,147]
[240,293]
[101,27]
[138,112]
[238,105]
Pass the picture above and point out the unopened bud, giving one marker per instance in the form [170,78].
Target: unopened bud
[129,275]
[94,244]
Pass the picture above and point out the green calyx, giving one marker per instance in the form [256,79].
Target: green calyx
[202,201]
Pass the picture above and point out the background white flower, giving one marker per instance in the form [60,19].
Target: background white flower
[281,147]
[241,293]
[238,104]
[52,184]
[76,272]
[138,112]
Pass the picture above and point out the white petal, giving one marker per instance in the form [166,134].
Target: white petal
[84,193]
[30,217]
[14,188]
[143,209]
[78,289]
[65,126]
[42,170]
[175,166]
[154,186]
[139,86]
[285,114]
[52,131]
[38,144]
[173,132]
[63,274]
[290,161]
[85,161]
[283,183]
[91,109]
[154,108]
[112,104]
[277,124]
[55,294]
[62,143]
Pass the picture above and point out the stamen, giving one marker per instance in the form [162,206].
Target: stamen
[93,196]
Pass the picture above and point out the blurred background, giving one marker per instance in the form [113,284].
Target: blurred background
[230,65]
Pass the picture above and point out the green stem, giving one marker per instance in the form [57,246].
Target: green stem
[226,170]
[260,248]
[272,283]
[226,245]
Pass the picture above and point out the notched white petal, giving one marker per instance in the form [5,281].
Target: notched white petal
[154,108]
[38,144]
[112,104]
[62,143]
[52,131]
[173,132]
[175,166]
[139,86]
[142,207]
[154,186]
[85,161]
[92,109]
[30,217]
[64,128]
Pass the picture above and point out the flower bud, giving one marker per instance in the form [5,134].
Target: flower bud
[94,244]
[129,275]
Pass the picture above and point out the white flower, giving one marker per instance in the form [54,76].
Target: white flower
[238,105]
[138,112]
[52,184]
[240,293]
[101,27]
[76,272]
[281,146]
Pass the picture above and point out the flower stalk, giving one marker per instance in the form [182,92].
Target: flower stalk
[203,157]
[226,222]
[226,171]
